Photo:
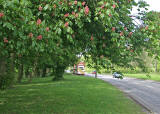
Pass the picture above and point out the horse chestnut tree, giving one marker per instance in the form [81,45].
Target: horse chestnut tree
[54,32]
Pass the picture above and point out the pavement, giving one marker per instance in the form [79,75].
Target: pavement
[144,92]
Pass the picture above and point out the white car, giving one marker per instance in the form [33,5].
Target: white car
[118,75]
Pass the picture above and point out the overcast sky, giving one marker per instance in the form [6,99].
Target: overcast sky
[154,4]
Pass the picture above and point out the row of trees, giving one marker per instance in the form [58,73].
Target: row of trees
[36,35]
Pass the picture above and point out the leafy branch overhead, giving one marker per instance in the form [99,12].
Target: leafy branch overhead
[59,30]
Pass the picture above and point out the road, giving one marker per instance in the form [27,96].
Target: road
[145,92]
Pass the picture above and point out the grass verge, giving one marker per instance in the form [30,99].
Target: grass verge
[74,95]
[154,76]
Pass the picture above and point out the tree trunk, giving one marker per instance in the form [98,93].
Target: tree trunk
[2,72]
[156,69]
[37,72]
[111,69]
[96,67]
[11,71]
[44,72]
[96,74]
[7,71]
[58,73]
[2,66]
[27,72]
[20,73]
[30,77]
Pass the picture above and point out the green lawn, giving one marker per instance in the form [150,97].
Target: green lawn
[74,95]
[154,76]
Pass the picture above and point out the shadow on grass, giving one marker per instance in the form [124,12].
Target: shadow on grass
[35,82]
[44,81]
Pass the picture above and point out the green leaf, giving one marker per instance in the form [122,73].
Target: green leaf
[46,7]
[8,25]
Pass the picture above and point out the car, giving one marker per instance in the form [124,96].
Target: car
[118,75]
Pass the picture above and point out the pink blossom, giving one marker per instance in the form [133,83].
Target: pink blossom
[40,8]
[66,15]
[66,24]
[131,50]
[75,2]
[47,29]
[102,56]
[130,34]
[121,34]
[83,3]
[76,15]
[102,6]
[5,40]
[69,3]
[146,27]
[73,13]
[114,6]
[1,15]
[86,10]
[39,37]
[92,38]
[38,21]
[60,3]
[113,29]
[30,35]
[54,6]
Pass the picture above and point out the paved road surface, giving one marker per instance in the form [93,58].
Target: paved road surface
[146,92]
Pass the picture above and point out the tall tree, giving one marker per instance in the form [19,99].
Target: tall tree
[56,31]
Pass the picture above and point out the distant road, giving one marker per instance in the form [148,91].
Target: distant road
[146,92]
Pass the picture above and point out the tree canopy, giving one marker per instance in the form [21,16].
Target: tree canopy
[53,32]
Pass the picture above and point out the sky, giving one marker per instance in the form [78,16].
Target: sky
[154,5]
